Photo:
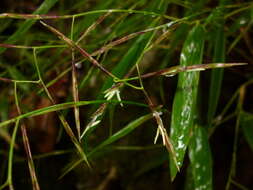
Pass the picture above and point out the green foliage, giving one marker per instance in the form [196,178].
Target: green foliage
[246,124]
[184,104]
[89,84]
[201,159]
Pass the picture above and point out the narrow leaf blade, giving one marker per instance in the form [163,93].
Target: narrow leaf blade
[246,123]
[201,159]
[184,103]
[123,132]
[216,74]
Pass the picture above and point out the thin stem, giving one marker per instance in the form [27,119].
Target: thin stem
[75,85]
[39,17]
[32,47]
[172,71]
[13,138]
[240,186]
[150,103]
[93,26]
[58,107]
[75,46]
[233,162]
[61,117]
[62,74]
[10,160]
[35,183]
[238,10]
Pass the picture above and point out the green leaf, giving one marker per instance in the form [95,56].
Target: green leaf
[246,123]
[58,107]
[136,51]
[216,74]
[201,159]
[44,8]
[98,150]
[184,103]
[121,133]
[189,181]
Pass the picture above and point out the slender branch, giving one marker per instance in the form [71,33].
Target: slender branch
[93,26]
[65,124]
[75,86]
[73,45]
[39,17]
[35,183]
[172,71]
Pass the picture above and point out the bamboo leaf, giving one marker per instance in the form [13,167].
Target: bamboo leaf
[121,133]
[184,103]
[137,49]
[219,56]
[217,74]
[201,159]
[246,123]
[58,107]
[116,136]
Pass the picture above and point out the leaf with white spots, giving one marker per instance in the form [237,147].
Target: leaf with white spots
[184,104]
[200,159]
